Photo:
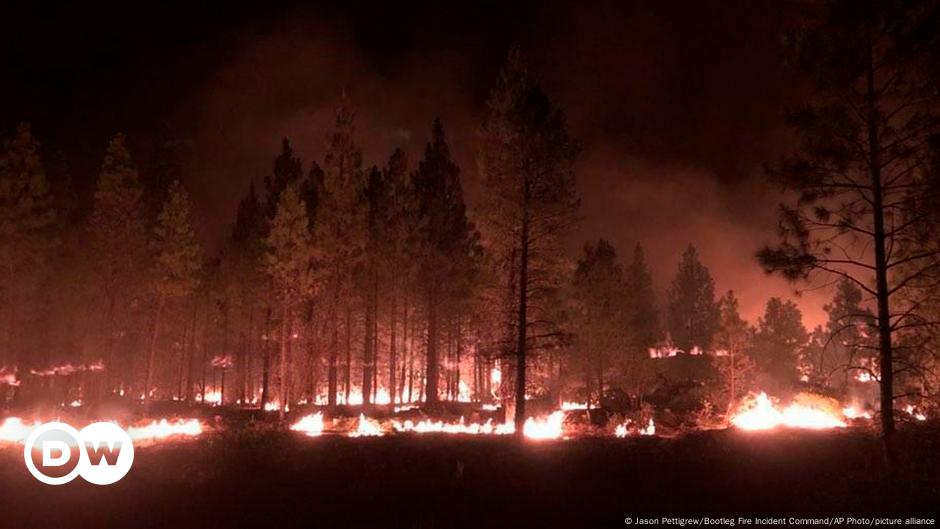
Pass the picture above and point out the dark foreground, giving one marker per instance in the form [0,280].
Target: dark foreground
[276,480]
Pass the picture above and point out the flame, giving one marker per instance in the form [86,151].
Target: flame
[764,416]
[68,369]
[548,428]
[163,429]
[311,425]
[367,428]
[213,397]
[221,361]
[428,426]
[272,406]
[623,429]
[14,430]
[851,412]
[8,376]
[912,411]
[569,406]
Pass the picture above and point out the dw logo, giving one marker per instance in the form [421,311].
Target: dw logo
[101,453]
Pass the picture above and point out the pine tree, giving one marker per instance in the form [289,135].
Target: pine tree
[118,237]
[778,340]
[447,245]
[27,216]
[289,261]
[733,342]
[177,260]
[864,137]
[600,324]
[241,268]
[849,329]
[526,161]
[400,264]
[642,316]
[692,310]
[339,232]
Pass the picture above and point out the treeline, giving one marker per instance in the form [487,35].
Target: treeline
[343,281]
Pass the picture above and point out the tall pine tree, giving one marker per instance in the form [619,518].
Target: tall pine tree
[177,260]
[526,160]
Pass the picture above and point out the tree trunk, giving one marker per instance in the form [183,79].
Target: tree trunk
[266,362]
[881,265]
[188,390]
[347,380]
[368,346]
[431,367]
[282,361]
[148,375]
[393,352]
[522,321]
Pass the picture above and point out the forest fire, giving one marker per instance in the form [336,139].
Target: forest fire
[761,414]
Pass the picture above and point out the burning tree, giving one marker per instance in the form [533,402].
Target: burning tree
[858,171]
[526,160]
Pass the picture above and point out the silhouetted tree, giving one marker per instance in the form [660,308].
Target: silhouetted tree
[288,261]
[119,240]
[526,161]
[340,228]
[447,244]
[692,311]
[27,217]
[732,341]
[777,341]
[177,259]
[863,136]
[600,322]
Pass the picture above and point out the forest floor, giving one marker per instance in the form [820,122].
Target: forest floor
[270,479]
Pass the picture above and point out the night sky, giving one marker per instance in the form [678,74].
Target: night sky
[676,104]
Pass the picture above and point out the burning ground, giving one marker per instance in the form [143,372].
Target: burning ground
[250,474]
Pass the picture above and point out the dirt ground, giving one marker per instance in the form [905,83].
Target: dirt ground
[280,479]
